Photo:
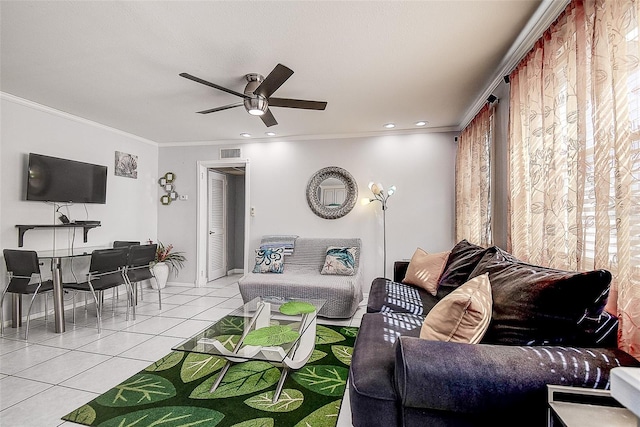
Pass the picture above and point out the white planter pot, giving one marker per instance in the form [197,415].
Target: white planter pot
[161,271]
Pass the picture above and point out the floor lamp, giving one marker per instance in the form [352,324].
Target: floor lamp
[382,197]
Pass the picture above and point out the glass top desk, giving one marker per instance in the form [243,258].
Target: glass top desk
[283,329]
[56,256]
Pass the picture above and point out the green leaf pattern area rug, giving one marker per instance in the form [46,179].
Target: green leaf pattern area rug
[174,391]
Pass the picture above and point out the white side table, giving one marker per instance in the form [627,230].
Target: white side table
[625,388]
[570,414]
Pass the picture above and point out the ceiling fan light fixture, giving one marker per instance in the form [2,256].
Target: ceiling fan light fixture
[256,106]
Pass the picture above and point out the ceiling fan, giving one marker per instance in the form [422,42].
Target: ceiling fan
[257,95]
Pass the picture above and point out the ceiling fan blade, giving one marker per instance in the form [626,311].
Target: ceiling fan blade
[268,119]
[225,107]
[274,80]
[213,85]
[297,103]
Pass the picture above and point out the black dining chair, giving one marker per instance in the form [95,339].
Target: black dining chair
[23,268]
[125,244]
[139,269]
[106,270]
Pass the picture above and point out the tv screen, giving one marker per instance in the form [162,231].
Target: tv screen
[51,179]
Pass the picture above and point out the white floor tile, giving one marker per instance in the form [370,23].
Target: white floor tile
[38,331]
[31,355]
[171,290]
[45,409]
[155,325]
[229,291]
[9,345]
[206,301]
[198,291]
[178,298]
[120,323]
[106,375]
[76,337]
[183,311]
[152,309]
[153,349]
[61,368]
[231,303]
[14,390]
[116,343]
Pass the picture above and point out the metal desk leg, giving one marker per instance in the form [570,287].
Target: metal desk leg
[58,295]
[16,312]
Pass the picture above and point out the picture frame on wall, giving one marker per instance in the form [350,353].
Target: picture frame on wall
[126,165]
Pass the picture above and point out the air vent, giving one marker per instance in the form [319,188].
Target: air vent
[230,153]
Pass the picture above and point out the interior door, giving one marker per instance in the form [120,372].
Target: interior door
[217,239]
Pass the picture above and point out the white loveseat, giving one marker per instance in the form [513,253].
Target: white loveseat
[302,279]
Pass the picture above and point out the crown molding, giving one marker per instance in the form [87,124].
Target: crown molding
[542,19]
[385,133]
[25,102]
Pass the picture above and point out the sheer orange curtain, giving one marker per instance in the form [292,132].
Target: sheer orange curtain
[574,152]
[473,201]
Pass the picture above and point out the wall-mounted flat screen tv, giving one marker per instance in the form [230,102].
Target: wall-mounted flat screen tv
[51,179]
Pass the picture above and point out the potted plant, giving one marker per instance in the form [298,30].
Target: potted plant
[167,260]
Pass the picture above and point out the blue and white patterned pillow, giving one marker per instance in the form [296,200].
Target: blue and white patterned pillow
[340,261]
[269,260]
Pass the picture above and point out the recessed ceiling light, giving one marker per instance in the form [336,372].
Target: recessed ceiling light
[389,126]
[270,133]
[245,135]
[421,123]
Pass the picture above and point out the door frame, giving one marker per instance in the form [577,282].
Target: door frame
[202,207]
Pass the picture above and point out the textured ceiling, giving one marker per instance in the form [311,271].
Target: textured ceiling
[117,62]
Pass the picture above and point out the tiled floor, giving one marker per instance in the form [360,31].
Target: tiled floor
[53,374]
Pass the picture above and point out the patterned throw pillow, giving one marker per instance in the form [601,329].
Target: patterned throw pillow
[340,261]
[269,260]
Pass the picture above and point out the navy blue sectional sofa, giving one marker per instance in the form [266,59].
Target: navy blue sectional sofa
[548,327]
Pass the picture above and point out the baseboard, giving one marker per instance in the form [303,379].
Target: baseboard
[181,284]
[235,271]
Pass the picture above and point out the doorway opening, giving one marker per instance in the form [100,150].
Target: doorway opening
[223,219]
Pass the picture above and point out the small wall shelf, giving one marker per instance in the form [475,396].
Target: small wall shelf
[23,228]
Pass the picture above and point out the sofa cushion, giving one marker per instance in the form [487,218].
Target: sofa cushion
[425,269]
[462,259]
[600,331]
[372,390]
[463,315]
[534,305]
[340,261]
[269,260]
[392,297]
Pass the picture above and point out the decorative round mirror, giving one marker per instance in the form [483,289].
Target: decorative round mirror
[332,192]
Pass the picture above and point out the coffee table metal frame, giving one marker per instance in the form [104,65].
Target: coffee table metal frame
[259,313]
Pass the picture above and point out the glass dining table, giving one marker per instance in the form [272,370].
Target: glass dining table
[56,256]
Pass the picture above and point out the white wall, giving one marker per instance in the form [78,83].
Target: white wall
[421,213]
[132,204]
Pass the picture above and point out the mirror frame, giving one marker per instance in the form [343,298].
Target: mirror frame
[314,184]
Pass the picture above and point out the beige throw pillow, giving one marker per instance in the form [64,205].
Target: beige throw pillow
[425,269]
[463,315]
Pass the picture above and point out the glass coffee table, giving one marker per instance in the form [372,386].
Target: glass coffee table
[272,329]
